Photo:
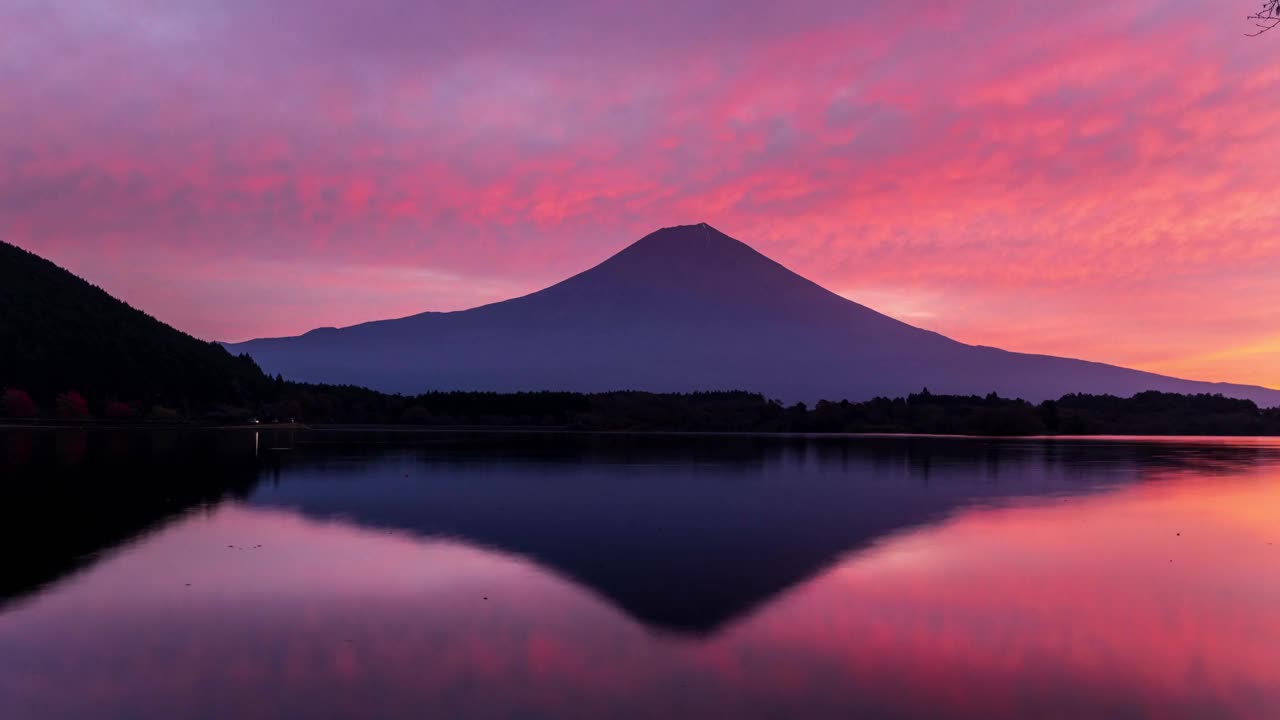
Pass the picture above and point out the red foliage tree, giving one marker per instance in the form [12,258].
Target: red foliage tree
[17,404]
[116,409]
[71,404]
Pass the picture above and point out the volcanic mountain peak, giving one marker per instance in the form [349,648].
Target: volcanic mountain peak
[691,274]
[684,253]
[699,242]
[689,308]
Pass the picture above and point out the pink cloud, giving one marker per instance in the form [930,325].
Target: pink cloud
[1092,180]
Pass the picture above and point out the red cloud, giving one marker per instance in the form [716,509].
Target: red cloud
[1090,180]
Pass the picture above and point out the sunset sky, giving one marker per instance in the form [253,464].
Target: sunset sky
[1093,179]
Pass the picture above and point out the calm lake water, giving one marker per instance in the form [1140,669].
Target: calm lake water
[318,575]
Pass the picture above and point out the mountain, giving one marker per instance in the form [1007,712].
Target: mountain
[59,333]
[689,308]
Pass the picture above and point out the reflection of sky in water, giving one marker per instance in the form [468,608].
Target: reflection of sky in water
[1150,599]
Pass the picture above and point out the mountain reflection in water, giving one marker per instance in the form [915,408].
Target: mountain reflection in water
[492,575]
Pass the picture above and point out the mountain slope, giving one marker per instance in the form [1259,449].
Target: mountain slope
[688,308]
[59,333]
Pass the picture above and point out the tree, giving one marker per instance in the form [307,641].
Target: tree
[415,415]
[1049,415]
[118,410]
[160,413]
[18,404]
[1266,18]
[71,404]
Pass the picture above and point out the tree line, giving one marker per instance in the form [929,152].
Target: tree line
[1147,413]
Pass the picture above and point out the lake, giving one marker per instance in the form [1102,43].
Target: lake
[331,574]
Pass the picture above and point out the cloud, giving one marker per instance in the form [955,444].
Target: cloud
[1091,179]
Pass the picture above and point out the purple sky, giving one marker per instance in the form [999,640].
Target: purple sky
[1091,179]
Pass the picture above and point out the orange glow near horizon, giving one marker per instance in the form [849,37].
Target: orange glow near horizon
[1091,179]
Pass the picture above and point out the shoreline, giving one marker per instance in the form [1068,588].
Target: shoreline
[117,425]
[562,430]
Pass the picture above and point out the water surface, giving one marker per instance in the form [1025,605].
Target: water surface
[316,574]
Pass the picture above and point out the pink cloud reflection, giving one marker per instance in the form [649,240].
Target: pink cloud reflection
[1144,600]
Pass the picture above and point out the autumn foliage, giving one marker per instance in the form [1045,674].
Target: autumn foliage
[71,404]
[118,410]
[18,404]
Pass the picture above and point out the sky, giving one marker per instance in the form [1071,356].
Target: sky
[1093,179]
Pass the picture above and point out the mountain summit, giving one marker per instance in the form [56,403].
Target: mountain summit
[689,308]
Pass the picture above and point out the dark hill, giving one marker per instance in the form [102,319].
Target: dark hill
[60,333]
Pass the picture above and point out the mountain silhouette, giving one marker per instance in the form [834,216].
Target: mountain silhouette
[689,308]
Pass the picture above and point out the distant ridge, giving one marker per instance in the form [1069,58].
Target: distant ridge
[689,308]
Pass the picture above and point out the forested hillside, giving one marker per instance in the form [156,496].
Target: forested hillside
[61,335]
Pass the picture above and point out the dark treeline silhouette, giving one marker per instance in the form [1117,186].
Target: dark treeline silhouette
[1149,413]
[280,401]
